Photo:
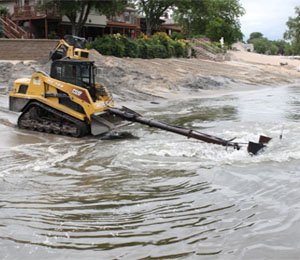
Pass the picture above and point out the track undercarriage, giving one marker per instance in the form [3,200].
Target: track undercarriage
[39,117]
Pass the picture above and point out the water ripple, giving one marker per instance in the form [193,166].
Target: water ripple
[157,197]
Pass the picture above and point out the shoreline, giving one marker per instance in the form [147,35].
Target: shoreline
[149,80]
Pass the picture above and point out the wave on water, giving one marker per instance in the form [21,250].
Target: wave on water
[160,196]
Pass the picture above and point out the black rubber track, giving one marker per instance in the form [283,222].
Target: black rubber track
[39,117]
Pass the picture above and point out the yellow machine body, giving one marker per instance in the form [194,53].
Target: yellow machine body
[71,47]
[44,89]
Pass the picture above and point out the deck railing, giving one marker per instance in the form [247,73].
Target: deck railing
[12,30]
[28,12]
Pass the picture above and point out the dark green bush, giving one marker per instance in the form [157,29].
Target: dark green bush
[108,45]
[179,50]
[131,48]
[157,51]
[159,46]
[177,36]
[143,49]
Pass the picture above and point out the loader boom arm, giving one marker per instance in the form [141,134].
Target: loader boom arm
[132,116]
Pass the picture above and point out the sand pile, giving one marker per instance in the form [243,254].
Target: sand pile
[149,79]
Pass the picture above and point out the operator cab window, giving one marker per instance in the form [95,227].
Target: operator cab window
[77,74]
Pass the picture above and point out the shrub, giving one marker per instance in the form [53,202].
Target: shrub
[177,36]
[109,45]
[151,51]
[162,38]
[3,11]
[143,49]
[157,51]
[131,48]
[159,46]
[178,49]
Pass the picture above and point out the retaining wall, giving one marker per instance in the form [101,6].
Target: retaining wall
[26,49]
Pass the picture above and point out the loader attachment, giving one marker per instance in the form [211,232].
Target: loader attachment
[104,122]
[254,148]
[132,116]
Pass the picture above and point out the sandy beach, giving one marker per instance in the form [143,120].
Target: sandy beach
[287,66]
[168,77]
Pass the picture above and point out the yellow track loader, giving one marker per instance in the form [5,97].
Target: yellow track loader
[68,101]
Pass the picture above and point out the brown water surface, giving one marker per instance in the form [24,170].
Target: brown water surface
[160,196]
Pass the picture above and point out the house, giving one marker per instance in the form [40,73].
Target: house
[39,22]
[126,23]
[29,16]
[169,26]
[94,25]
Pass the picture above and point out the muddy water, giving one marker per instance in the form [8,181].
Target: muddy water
[160,196]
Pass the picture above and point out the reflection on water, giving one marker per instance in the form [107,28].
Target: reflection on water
[160,196]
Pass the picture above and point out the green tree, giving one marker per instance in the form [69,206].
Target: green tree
[77,11]
[293,32]
[273,49]
[265,46]
[255,35]
[153,10]
[213,18]
[260,44]
[288,50]
[284,48]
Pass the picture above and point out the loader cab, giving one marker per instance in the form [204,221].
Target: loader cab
[72,47]
[79,73]
[75,41]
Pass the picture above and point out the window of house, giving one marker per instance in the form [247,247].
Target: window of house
[127,17]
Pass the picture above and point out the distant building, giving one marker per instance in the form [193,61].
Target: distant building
[28,15]
[94,25]
[169,25]
[126,23]
[41,23]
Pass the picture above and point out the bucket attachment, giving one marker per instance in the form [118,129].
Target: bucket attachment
[264,139]
[254,148]
[105,122]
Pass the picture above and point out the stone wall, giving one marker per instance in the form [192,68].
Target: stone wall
[24,49]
